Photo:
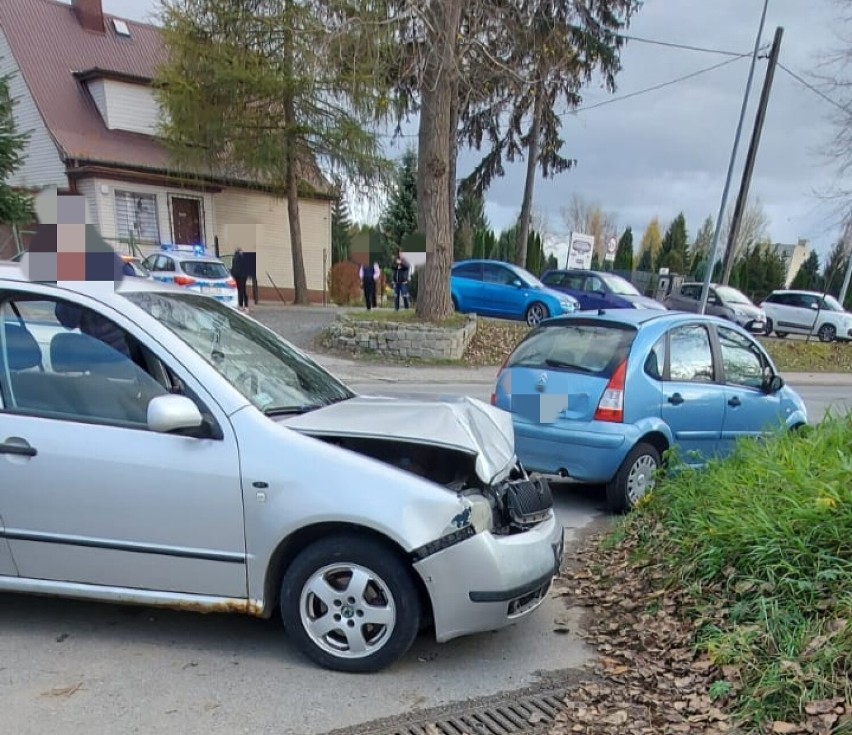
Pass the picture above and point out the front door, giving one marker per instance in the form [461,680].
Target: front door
[89,494]
[693,403]
[186,221]
[749,410]
[500,295]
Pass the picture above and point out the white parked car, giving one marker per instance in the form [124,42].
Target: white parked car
[192,268]
[807,312]
[158,447]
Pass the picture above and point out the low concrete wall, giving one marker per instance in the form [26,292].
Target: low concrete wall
[400,339]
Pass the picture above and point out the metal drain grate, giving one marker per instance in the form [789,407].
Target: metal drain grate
[499,715]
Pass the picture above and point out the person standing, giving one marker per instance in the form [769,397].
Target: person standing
[238,273]
[401,271]
[369,278]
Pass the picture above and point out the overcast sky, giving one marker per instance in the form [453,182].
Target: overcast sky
[668,150]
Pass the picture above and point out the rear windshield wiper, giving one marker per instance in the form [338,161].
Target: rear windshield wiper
[550,362]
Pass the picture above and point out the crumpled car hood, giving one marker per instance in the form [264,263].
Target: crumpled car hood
[466,424]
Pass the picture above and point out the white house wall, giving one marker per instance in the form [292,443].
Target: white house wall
[102,193]
[126,106]
[42,165]
[258,221]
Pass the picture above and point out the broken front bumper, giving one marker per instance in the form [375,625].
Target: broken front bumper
[487,582]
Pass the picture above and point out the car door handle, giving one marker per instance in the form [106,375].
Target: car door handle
[735,401]
[21,451]
[676,399]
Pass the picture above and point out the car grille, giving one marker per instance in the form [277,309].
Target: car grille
[529,501]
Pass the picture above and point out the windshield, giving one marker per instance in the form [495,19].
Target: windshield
[204,269]
[531,280]
[619,286]
[257,362]
[138,269]
[832,304]
[581,347]
[732,296]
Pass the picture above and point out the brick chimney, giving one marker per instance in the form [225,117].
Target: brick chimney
[90,14]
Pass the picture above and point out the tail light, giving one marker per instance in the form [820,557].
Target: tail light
[497,381]
[611,406]
[184,280]
[232,283]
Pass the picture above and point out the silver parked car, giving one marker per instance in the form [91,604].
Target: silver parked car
[723,301]
[158,447]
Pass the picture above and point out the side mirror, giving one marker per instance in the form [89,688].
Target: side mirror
[172,412]
[814,305]
[774,384]
[518,283]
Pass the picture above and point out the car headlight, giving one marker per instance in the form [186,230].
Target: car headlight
[568,305]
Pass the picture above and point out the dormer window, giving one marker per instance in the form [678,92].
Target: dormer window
[125,102]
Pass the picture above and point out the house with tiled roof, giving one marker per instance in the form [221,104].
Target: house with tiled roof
[82,81]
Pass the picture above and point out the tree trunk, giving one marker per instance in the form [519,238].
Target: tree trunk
[434,169]
[529,184]
[300,282]
[454,152]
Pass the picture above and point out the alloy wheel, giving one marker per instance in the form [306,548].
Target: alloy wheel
[641,477]
[535,314]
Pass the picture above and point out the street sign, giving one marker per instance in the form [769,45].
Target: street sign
[611,247]
[580,251]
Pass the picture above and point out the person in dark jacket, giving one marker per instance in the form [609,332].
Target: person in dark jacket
[401,270]
[89,322]
[369,278]
[239,274]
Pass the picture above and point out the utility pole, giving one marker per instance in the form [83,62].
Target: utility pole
[708,275]
[742,197]
[847,248]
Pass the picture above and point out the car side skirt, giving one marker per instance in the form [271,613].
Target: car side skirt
[127,596]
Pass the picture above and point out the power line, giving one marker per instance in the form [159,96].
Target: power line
[655,87]
[684,46]
[621,98]
[814,89]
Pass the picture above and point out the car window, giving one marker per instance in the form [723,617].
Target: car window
[593,283]
[61,360]
[204,269]
[778,298]
[690,292]
[690,358]
[655,363]
[150,262]
[573,281]
[165,264]
[742,361]
[498,274]
[808,301]
[581,347]
[553,279]
[271,374]
[471,271]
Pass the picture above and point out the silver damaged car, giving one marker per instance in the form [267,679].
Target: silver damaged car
[160,448]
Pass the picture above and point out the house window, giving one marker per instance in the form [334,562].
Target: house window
[136,217]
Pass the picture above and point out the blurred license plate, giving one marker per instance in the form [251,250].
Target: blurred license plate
[758,325]
[209,289]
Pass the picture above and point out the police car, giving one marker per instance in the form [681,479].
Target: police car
[192,268]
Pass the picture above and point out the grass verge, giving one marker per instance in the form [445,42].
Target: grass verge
[403,316]
[756,553]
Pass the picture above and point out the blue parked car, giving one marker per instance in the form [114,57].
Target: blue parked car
[498,289]
[599,290]
[598,398]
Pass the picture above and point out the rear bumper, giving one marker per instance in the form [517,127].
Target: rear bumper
[587,452]
[488,582]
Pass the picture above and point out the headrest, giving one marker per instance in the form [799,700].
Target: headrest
[22,349]
[72,352]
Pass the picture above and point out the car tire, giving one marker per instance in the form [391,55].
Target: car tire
[769,327]
[536,313]
[317,583]
[455,303]
[781,335]
[634,478]
[827,333]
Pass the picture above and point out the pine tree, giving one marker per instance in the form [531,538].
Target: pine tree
[15,207]
[835,268]
[700,249]
[646,262]
[470,219]
[808,277]
[341,235]
[624,254]
[651,242]
[673,253]
[535,254]
[596,261]
[552,263]
[400,216]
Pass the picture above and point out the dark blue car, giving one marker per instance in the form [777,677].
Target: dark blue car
[598,290]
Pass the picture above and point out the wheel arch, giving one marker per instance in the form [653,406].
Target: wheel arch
[288,549]
[656,439]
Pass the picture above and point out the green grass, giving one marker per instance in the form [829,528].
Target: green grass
[763,542]
[402,316]
[798,356]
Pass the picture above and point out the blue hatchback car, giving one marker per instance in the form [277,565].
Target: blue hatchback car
[599,397]
[503,290]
